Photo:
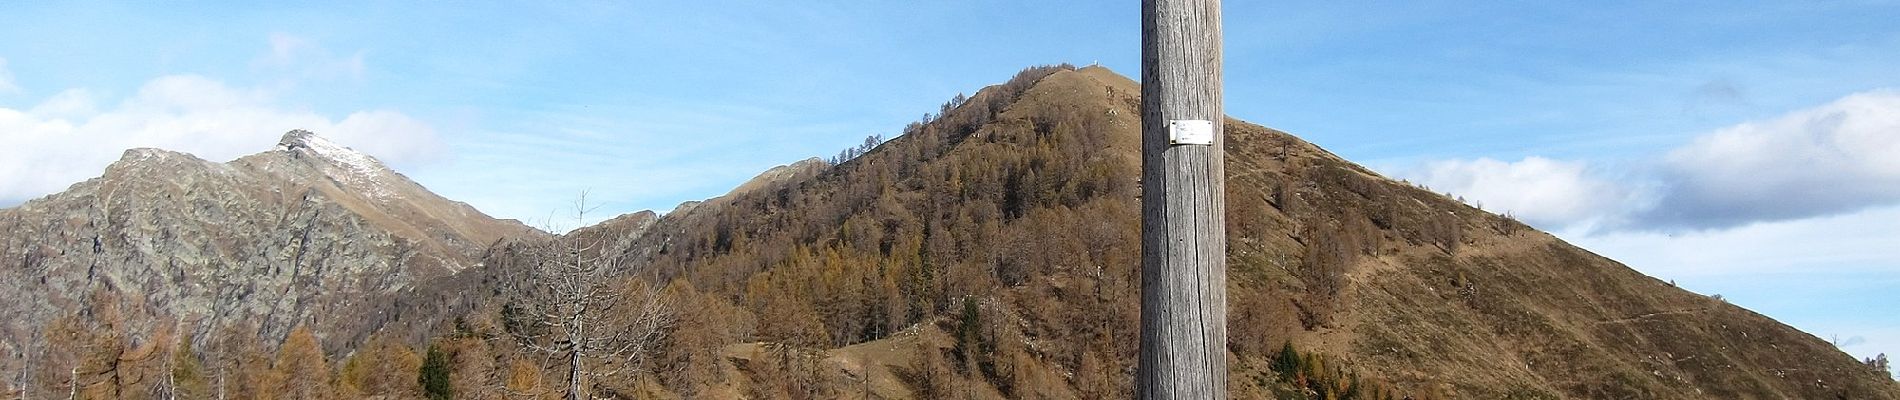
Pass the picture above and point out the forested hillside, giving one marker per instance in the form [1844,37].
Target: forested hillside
[991,250]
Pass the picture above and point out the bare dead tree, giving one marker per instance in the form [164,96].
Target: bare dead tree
[572,301]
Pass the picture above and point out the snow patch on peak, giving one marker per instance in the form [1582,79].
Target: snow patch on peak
[145,153]
[356,169]
[343,156]
[150,156]
[146,158]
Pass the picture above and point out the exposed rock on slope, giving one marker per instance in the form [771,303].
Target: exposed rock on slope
[308,232]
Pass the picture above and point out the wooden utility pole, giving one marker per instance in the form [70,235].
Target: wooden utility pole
[1183,204]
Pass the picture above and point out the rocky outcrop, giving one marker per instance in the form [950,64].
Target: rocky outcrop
[309,232]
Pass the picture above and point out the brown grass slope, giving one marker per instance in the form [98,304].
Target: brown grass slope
[991,251]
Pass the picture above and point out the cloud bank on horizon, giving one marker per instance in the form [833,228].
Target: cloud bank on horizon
[1838,158]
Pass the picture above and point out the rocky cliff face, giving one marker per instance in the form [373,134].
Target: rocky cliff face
[307,232]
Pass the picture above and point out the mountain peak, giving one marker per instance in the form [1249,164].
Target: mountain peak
[146,158]
[302,142]
[148,153]
[297,138]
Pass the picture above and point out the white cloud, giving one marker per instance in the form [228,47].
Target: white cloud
[306,59]
[1860,240]
[71,103]
[1539,190]
[6,79]
[68,137]
[284,47]
[1839,157]
[390,136]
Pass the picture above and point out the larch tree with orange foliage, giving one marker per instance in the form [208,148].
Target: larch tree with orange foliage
[300,365]
[383,368]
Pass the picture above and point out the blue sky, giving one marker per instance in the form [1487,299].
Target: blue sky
[1740,148]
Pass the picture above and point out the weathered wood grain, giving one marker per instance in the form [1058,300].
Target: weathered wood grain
[1183,275]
